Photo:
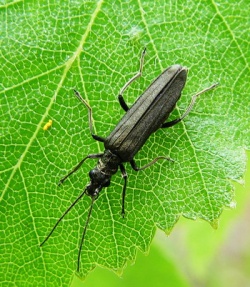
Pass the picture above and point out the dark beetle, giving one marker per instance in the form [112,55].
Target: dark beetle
[147,115]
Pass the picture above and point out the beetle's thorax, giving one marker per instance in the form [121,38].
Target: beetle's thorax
[108,163]
[101,175]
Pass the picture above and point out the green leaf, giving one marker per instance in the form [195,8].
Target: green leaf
[47,50]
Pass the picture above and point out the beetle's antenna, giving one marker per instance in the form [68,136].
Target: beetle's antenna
[60,219]
[93,198]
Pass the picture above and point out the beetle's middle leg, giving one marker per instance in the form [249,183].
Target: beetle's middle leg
[136,168]
[125,177]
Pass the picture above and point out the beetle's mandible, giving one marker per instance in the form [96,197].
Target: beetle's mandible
[145,116]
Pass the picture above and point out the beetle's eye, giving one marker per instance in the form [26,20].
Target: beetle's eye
[92,173]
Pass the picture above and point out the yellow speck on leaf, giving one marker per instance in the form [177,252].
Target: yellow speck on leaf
[47,125]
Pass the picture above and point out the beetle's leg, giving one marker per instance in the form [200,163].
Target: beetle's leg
[120,97]
[136,168]
[94,136]
[174,122]
[95,155]
[124,175]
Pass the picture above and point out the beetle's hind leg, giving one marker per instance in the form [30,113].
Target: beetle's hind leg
[94,136]
[193,100]
[138,74]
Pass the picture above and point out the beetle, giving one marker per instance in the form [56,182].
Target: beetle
[144,117]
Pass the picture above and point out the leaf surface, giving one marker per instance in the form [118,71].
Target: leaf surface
[47,50]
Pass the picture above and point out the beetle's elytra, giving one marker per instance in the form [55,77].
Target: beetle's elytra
[145,116]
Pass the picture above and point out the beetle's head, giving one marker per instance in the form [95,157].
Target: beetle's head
[98,180]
